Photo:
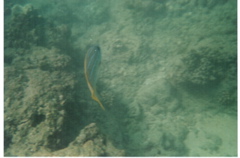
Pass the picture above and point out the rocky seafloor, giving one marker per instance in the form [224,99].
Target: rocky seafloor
[41,87]
[168,78]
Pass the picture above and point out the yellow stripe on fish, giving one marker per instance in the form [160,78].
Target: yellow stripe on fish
[91,65]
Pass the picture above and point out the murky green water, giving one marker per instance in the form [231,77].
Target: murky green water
[168,74]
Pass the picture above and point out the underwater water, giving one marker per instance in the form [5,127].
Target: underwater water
[167,78]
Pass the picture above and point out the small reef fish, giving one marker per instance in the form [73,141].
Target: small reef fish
[91,65]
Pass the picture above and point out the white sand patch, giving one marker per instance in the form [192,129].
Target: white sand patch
[214,136]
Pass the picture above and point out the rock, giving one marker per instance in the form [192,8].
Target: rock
[205,66]
[90,142]
[28,28]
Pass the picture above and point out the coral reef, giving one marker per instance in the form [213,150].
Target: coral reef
[43,91]
[29,28]
[148,8]
[26,27]
[42,100]
[107,98]
[171,8]
[228,97]
[90,142]
[167,78]
[205,66]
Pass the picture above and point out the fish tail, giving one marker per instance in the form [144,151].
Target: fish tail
[94,97]
[101,104]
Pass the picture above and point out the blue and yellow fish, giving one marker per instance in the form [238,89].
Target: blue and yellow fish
[91,65]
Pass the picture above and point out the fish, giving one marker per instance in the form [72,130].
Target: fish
[92,62]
